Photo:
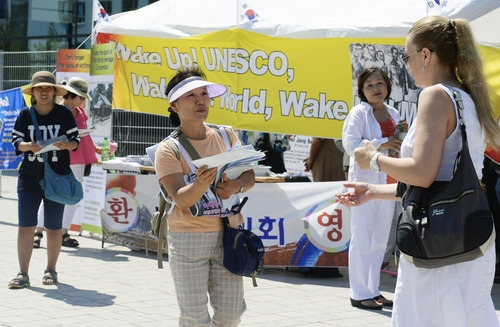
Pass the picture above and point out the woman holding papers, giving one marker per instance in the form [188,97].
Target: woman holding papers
[195,242]
[85,154]
[54,120]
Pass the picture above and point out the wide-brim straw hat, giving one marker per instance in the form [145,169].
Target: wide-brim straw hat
[44,78]
[78,86]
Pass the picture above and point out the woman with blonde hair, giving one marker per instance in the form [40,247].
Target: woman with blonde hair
[438,52]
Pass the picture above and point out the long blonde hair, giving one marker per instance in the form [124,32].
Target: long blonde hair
[452,40]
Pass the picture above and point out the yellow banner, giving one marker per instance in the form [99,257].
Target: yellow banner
[102,63]
[491,57]
[282,85]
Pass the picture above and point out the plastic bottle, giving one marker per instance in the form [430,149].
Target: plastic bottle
[105,150]
[402,134]
[398,134]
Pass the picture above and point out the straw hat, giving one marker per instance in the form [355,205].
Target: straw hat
[44,78]
[78,86]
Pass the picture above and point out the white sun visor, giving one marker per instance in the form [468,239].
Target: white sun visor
[214,90]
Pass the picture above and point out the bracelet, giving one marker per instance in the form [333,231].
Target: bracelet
[242,186]
[373,162]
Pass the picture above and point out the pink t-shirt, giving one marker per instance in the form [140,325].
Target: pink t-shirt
[85,153]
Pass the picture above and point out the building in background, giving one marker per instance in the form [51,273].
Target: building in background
[41,25]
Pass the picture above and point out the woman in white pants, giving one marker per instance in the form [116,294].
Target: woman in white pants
[371,120]
[438,51]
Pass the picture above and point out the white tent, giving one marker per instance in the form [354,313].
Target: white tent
[298,18]
[218,33]
[486,28]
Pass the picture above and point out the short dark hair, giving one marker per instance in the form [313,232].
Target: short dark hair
[180,75]
[70,95]
[364,76]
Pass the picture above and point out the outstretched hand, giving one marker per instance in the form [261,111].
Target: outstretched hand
[359,194]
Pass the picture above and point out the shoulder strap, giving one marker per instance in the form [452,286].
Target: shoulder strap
[35,123]
[460,108]
[183,140]
[37,131]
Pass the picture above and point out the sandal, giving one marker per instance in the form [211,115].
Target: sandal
[50,277]
[20,282]
[36,241]
[382,300]
[69,242]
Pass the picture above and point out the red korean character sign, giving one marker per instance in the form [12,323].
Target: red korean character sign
[328,226]
[121,210]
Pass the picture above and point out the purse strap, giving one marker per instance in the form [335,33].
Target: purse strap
[37,131]
[460,108]
[403,187]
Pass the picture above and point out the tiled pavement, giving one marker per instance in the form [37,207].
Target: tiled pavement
[115,286]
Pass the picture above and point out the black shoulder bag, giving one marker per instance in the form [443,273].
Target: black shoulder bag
[449,222]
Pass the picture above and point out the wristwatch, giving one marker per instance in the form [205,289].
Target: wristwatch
[241,187]
[373,162]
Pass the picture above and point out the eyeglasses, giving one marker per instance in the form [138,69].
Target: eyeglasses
[404,58]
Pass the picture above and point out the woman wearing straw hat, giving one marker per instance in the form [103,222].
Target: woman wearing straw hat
[85,154]
[53,120]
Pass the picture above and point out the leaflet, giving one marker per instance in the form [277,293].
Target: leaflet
[48,145]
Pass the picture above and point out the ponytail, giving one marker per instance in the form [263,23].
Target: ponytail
[454,43]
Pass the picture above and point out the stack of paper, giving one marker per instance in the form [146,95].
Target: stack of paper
[233,162]
[48,145]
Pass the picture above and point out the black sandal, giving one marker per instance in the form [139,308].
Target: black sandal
[36,241]
[22,280]
[369,304]
[382,300]
[49,277]
[69,242]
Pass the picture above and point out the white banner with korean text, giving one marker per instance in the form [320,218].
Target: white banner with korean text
[300,224]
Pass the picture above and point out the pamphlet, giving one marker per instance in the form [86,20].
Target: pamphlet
[48,145]
[233,163]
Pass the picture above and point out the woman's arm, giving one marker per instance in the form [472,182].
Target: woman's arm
[28,146]
[313,151]
[228,187]
[364,192]
[184,195]
[436,120]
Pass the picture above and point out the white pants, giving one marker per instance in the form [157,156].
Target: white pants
[370,227]
[69,211]
[453,296]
